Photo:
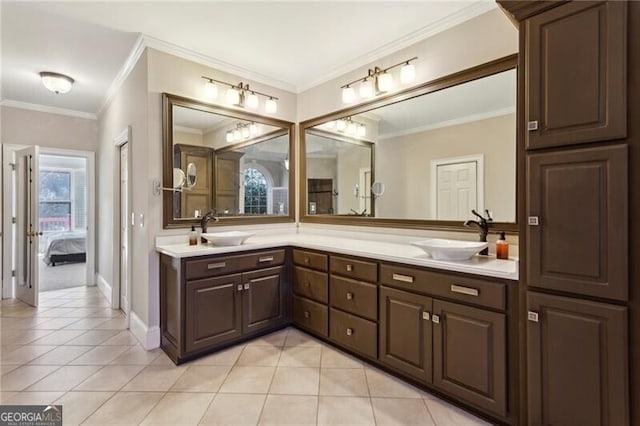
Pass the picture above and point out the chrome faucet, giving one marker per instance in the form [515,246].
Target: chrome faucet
[483,226]
[210,215]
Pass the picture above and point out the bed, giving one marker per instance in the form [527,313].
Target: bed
[65,247]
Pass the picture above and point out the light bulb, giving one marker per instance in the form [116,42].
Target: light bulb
[366,88]
[245,132]
[348,95]
[407,73]
[341,125]
[385,82]
[253,129]
[362,130]
[252,100]
[210,90]
[271,106]
[237,135]
[233,96]
[352,128]
[229,136]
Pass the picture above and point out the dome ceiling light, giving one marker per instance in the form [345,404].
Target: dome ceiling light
[57,83]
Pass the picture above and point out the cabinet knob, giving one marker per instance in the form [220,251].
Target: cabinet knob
[532,125]
[307,260]
[435,318]
[426,316]
[247,286]
[349,268]
[533,316]
[533,220]
[349,296]
[307,314]
[349,331]
[239,287]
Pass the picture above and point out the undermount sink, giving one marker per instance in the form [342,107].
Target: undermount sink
[441,249]
[229,238]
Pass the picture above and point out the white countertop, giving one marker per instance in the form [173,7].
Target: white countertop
[487,266]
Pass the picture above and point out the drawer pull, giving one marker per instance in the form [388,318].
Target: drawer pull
[247,286]
[403,278]
[307,314]
[533,316]
[464,290]
[349,296]
[425,316]
[349,331]
[216,265]
[435,318]
[307,260]
[349,268]
[239,287]
[257,280]
[265,259]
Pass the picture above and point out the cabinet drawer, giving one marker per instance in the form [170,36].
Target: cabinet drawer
[354,332]
[358,269]
[310,315]
[355,297]
[311,284]
[222,265]
[465,289]
[311,259]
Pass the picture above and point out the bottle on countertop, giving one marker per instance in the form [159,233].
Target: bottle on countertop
[193,236]
[502,247]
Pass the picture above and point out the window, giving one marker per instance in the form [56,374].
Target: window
[55,201]
[255,192]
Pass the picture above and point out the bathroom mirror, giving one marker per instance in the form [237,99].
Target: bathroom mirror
[178,178]
[436,152]
[232,162]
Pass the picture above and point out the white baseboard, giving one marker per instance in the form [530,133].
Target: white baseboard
[105,287]
[149,338]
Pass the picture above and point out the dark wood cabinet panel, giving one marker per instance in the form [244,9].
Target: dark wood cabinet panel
[311,284]
[405,333]
[577,362]
[311,316]
[200,196]
[575,74]
[310,259]
[214,311]
[580,199]
[263,299]
[353,332]
[353,268]
[227,183]
[355,297]
[469,355]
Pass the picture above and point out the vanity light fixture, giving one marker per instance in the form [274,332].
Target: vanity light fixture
[349,126]
[378,81]
[57,83]
[240,95]
[243,131]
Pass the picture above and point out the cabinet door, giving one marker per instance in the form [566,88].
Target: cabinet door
[405,332]
[213,311]
[577,362]
[469,355]
[580,201]
[263,299]
[575,71]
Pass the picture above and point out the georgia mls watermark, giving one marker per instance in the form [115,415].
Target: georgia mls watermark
[30,415]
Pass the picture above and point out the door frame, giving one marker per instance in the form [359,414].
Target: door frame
[123,138]
[433,187]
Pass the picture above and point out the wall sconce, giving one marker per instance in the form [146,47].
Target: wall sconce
[243,131]
[378,81]
[240,95]
[57,83]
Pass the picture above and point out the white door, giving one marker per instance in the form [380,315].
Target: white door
[457,190]
[124,227]
[27,225]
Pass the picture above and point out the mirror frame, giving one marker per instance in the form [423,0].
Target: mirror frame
[168,102]
[484,70]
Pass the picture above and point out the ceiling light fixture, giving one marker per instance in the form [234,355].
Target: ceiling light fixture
[240,95]
[57,83]
[379,81]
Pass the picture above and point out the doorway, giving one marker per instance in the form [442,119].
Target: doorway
[320,197]
[457,187]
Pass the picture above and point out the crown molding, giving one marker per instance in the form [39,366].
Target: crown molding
[48,109]
[450,21]
[189,130]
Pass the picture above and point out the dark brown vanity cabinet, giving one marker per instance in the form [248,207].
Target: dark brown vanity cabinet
[459,349]
[577,362]
[214,300]
[311,291]
[575,74]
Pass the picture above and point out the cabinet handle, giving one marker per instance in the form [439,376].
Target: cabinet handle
[247,286]
[307,314]
[349,268]
[349,296]
[307,260]
[435,318]
[533,316]
[239,287]
[265,259]
[426,316]
[257,280]
[464,290]
[349,331]
[533,221]
[403,278]
[532,125]
[216,265]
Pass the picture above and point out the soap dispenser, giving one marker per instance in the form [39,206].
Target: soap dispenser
[193,236]
[502,247]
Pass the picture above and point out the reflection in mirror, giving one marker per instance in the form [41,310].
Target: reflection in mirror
[178,178]
[438,155]
[233,166]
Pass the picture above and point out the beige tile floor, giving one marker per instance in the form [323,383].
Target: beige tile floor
[75,351]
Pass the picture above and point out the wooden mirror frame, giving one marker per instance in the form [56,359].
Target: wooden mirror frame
[493,67]
[168,221]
